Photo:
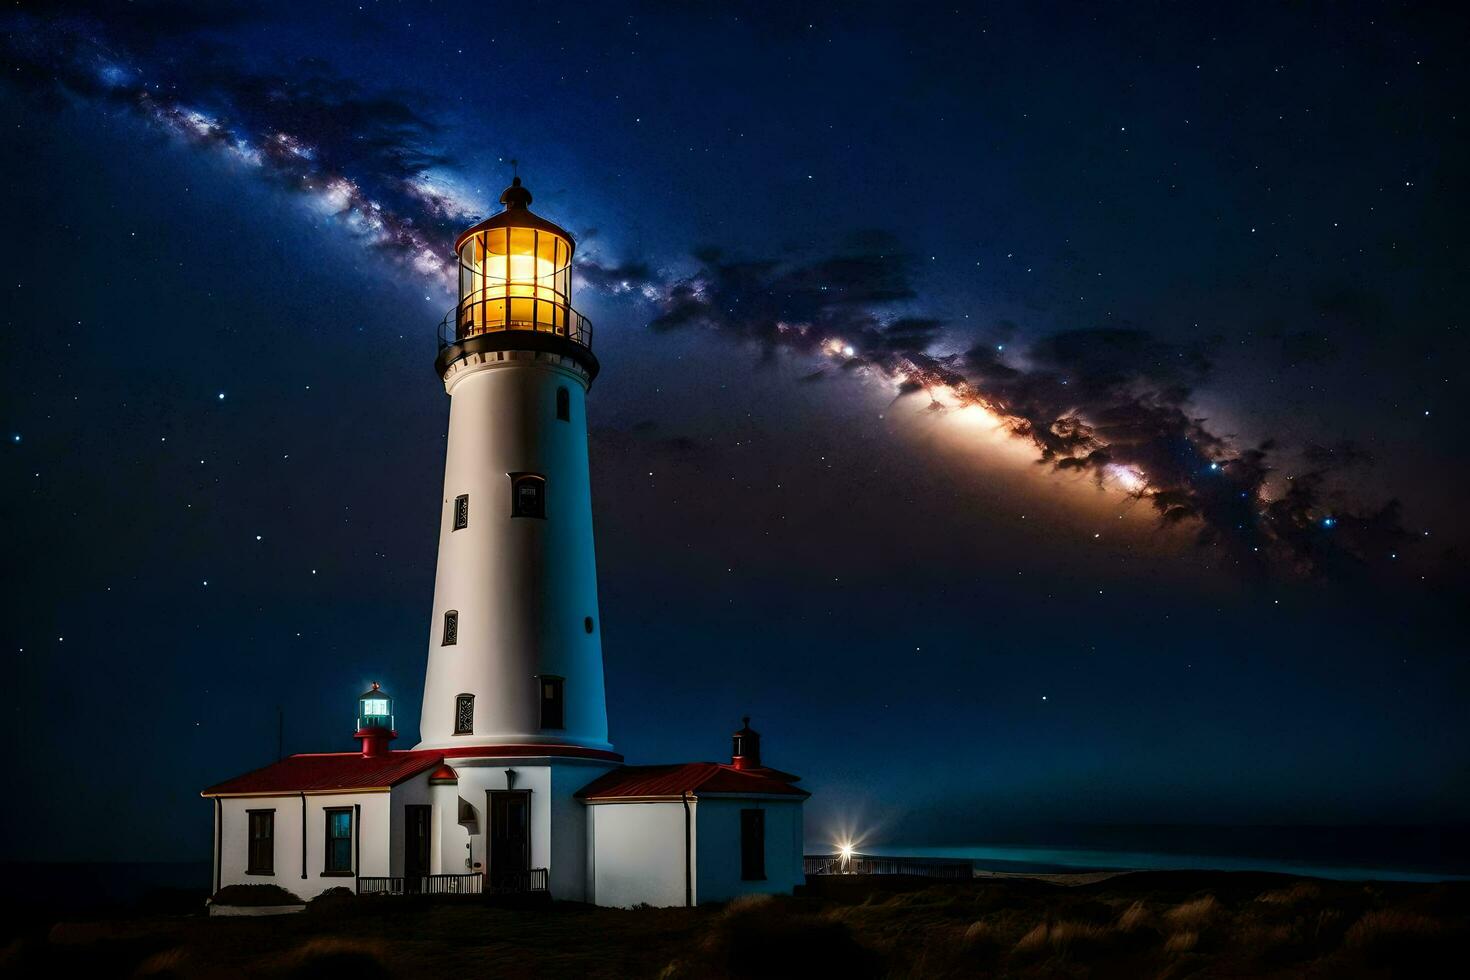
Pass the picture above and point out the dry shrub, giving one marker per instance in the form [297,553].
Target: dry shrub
[980,933]
[1302,891]
[1062,937]
[255,896]
[333,900]
[1033,940]
[755,931]
[745,904]
[1134,917]
[1191,915]
[1260,937]
[169,963]
[334,958]
[1181,942]
[1389,926]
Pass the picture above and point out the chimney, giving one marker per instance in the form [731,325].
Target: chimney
[745,752]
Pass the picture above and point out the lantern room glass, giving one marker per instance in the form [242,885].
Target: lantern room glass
[375,710]
[514,278]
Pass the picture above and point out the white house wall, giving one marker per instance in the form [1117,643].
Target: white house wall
[637,853]
[717,862]
[374,829]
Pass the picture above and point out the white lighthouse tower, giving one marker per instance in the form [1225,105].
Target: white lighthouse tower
[515,655]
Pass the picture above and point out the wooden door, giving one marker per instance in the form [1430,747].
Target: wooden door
[510,840]
[416,840]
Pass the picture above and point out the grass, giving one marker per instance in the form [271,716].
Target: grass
[1157,924]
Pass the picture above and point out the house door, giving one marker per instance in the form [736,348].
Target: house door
[510,840]
[416,837]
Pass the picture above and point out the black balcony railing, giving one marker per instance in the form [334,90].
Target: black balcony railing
[473,317]
[470,884]
[833,864]
[518,882]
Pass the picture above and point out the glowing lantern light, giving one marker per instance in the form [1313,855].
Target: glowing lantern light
[515,273]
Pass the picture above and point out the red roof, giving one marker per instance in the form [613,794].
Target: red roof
[642,782]
[326,772]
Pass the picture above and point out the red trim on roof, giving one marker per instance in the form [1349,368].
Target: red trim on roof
[641,782]
[327,772]
[521,751]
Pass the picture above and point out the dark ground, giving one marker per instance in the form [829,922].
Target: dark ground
[1144,924]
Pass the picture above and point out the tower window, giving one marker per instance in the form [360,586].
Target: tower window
[552,713]
[339,841]
[461,511]
[753,845]
[464,714]
[527,495]
[563,405]
[588,625]
[451,628]
[261,858]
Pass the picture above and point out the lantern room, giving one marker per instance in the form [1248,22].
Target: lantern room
[515,272]
[375,720]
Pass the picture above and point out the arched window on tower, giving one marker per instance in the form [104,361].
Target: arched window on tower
[563,404]
[464,714]
[451,628]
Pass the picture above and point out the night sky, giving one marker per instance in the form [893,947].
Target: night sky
[1031,416]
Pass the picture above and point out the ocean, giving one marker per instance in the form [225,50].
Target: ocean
[1343,853]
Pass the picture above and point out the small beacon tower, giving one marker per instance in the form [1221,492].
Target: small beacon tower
[375,721]
[515,654]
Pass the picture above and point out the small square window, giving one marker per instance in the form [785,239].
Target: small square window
[451,628]
[464,714]
[527,495]
[461,512]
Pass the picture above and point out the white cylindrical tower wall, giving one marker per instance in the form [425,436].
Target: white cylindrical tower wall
[524,588]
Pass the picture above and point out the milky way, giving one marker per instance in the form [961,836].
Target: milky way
[1112,402]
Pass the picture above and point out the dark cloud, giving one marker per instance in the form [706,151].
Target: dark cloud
[1114,402]
[614,278]
[368,158]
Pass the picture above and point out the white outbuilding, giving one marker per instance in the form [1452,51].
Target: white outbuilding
[514,787]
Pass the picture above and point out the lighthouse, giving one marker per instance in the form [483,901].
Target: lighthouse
[513,788]
[515,651]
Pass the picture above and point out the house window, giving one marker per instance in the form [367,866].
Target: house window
[261,857]
[339,841]
[451,628]
[527,495]
[563,405]
[552,715]
[753,845]
[461,512]
[464,714]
